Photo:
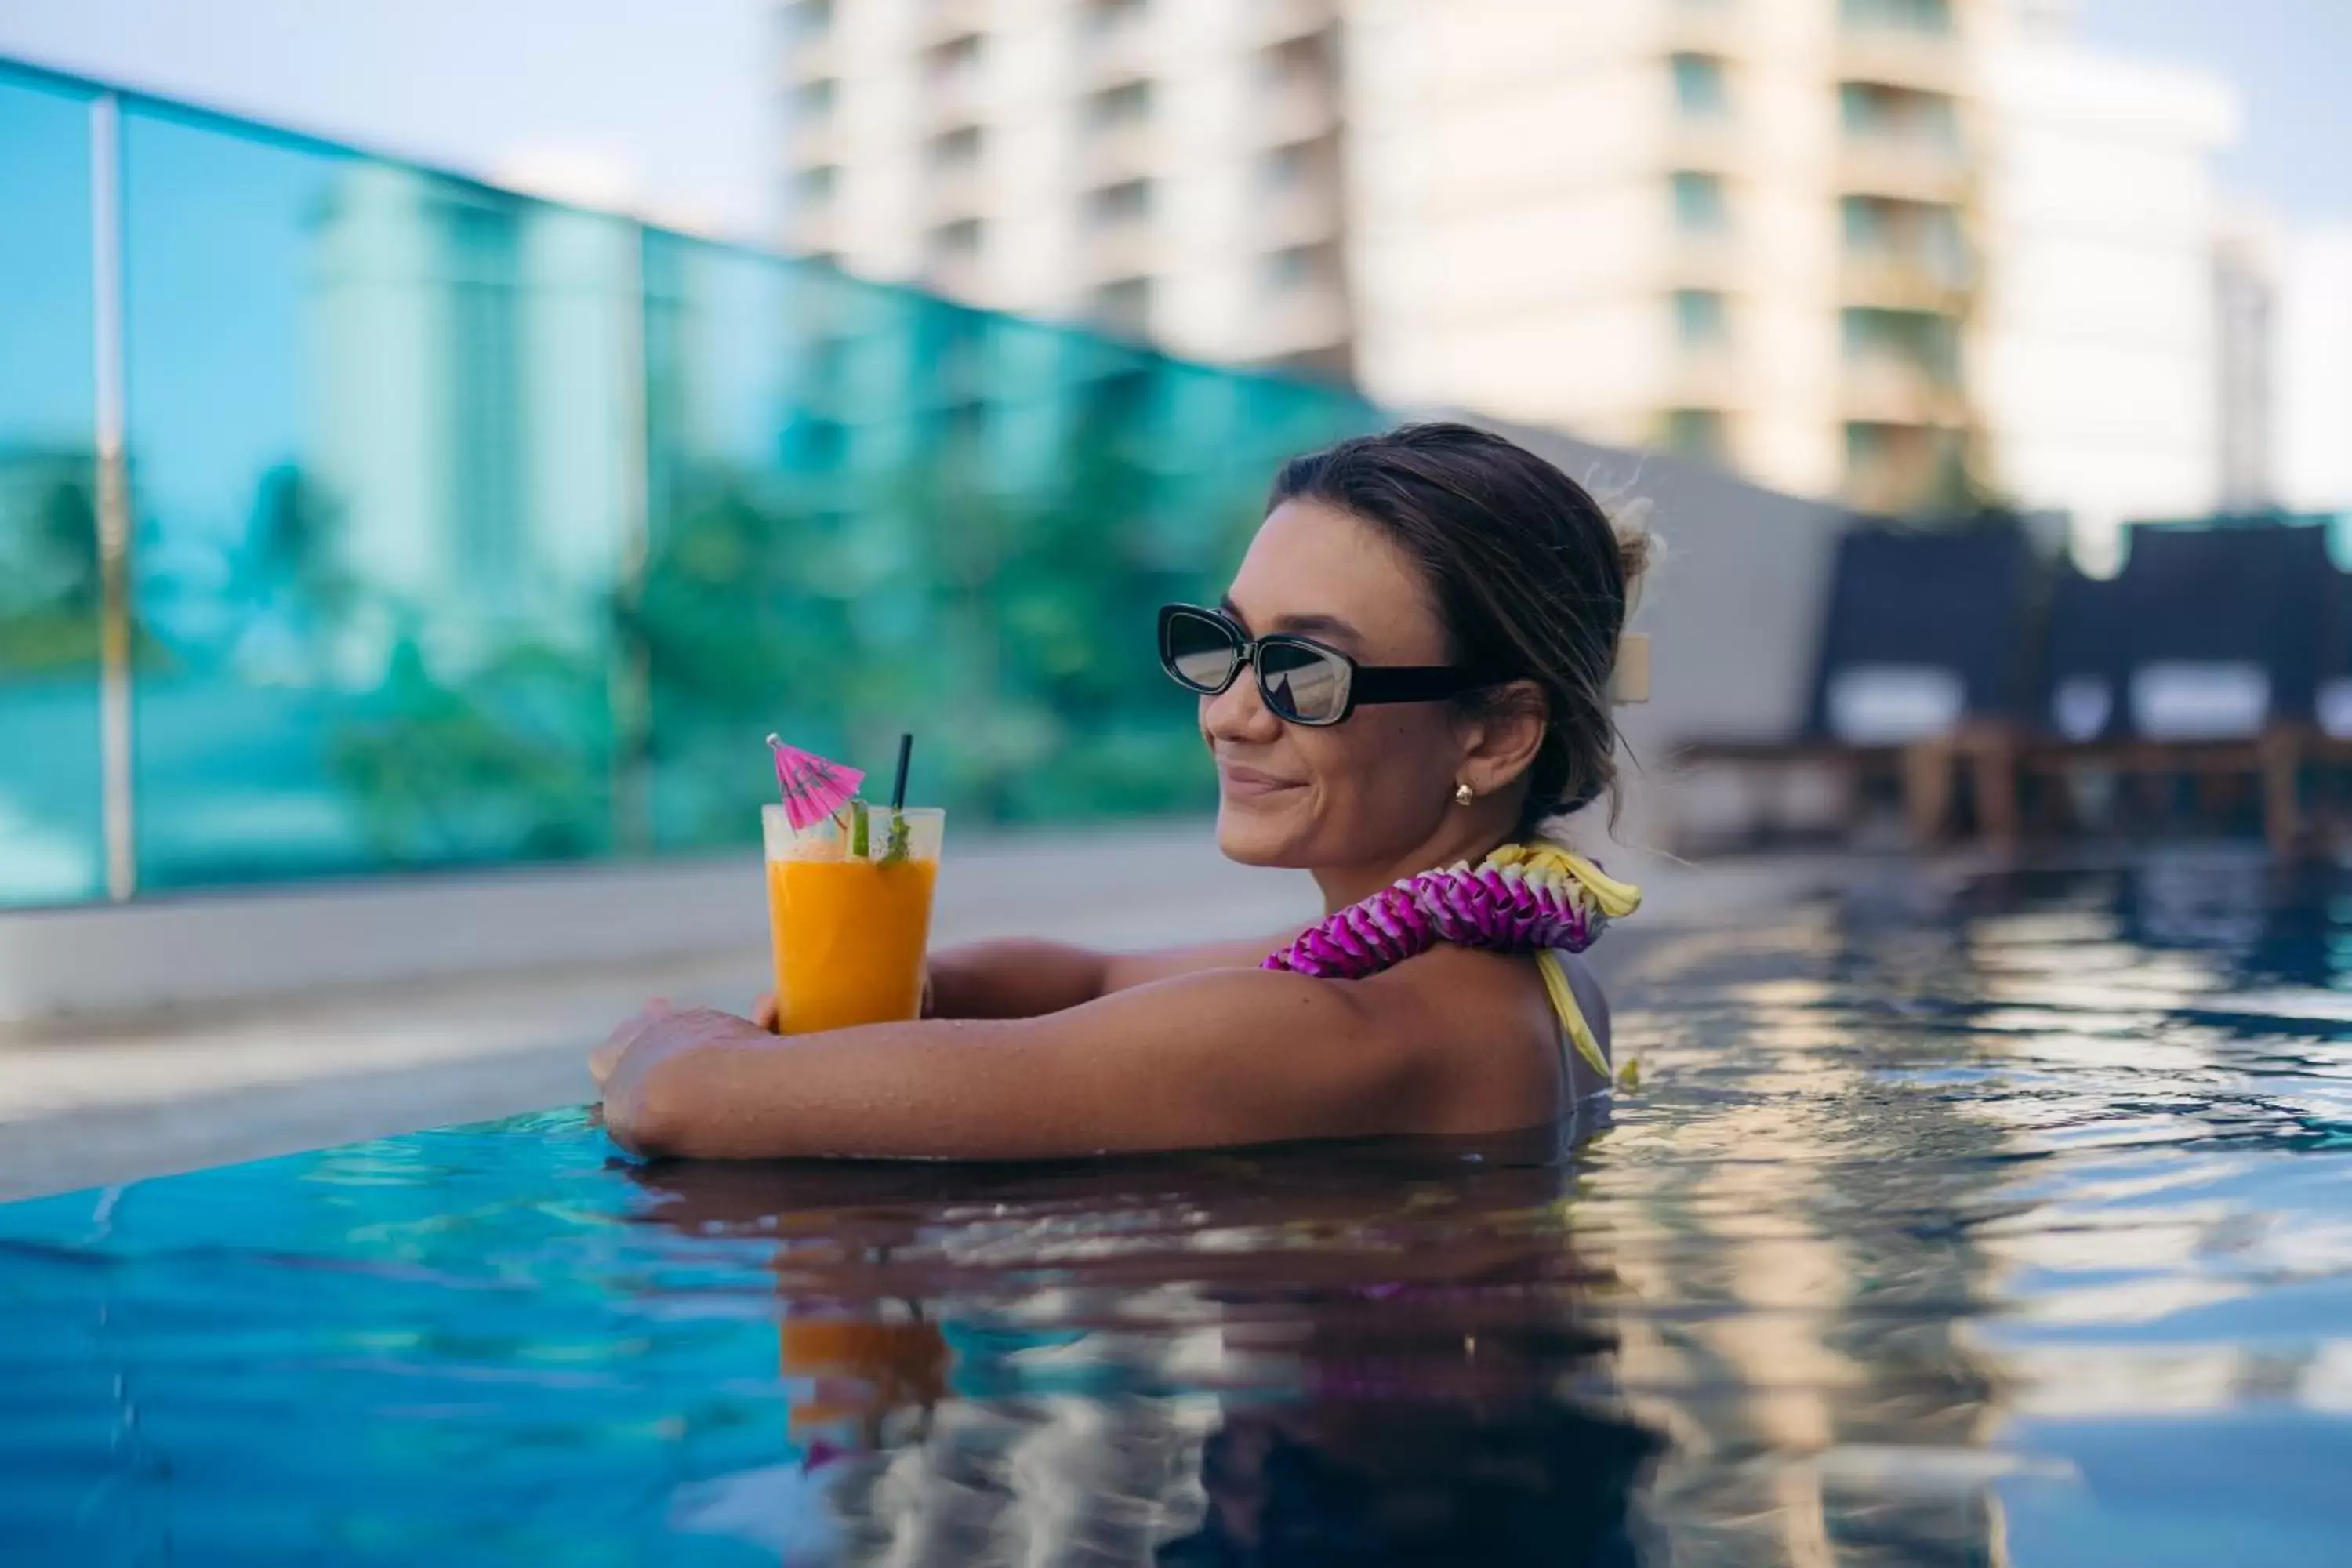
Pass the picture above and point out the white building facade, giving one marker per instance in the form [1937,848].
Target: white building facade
[2101,373]
[2311,351]
[1165,170]
[1905,253]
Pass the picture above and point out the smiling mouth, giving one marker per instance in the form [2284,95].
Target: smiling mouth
[1248,782]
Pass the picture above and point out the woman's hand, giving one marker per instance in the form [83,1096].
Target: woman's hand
[606,1057]
[623,1065]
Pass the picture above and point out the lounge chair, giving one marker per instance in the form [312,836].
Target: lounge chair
[1921,651]
[2200,661]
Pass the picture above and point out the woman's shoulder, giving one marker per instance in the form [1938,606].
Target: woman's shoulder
[1485,1016]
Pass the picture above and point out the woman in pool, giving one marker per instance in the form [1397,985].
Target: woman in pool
[1410,672]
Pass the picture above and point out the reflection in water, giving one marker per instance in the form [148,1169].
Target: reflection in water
[2002,1219]
[1383,1354]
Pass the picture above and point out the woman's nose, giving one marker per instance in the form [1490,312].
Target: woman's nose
[1239,713]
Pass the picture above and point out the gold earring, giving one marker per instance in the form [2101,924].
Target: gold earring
[1464,795]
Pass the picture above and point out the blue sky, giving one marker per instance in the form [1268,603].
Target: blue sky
[664,104]
[2288,59]
[668,104]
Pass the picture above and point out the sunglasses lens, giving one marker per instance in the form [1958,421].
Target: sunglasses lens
[1198,651]
[1303,684]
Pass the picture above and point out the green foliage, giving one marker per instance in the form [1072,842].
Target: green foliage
[49,582]
[290,562]
[991,584]
[505,763]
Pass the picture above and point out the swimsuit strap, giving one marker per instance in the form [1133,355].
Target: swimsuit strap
[1571,1014]
[1537,898]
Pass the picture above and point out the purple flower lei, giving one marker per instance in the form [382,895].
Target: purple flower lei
[1522,899]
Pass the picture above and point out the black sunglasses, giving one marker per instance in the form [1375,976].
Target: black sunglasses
[1302,682]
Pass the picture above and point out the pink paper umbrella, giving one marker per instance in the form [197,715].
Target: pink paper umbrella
[813,789]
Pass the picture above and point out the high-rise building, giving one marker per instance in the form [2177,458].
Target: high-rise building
[2284,294]
[1740,231]
[1168,171]
[466,399]
[1848,247]
[2314,359]
[2246,300]
[2100,344]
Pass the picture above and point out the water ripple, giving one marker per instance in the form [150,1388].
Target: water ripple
[1961,1221]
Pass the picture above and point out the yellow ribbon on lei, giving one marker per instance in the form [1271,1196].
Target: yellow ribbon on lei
[1552,867]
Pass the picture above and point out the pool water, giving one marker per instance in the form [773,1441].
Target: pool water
[1983,1220]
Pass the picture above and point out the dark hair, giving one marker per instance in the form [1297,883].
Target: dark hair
[1530,577]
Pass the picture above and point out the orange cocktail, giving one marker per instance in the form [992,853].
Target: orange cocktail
[851,922]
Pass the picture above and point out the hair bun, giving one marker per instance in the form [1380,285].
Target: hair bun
[1636,547]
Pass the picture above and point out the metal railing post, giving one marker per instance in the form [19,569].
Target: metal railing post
[115,616]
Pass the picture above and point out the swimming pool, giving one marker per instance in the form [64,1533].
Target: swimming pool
[2003,1219]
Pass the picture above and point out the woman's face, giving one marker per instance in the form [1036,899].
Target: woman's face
[1359,793]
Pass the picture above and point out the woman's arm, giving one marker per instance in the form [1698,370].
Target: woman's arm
[1028,979]
[1221,1057]
[1021,978]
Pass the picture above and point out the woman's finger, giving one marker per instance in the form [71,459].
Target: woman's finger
[606,1057]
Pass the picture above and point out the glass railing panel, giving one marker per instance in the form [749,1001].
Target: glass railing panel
[378,431]
[52,832]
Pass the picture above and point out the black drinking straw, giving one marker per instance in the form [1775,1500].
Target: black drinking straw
[898,787]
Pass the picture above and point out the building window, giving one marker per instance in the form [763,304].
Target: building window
[1121,396]
[1126,202]
[1925,233]
[1870,110]
[1699,205]
[1125,305]
[956,60]
[1927,340]
[1700,319]
[1867,447]
[957,241]
[1126,104]
[816,183]
[815,98]
[1107,16]
[1292,267]
[1868,229]
[1700,92]
[811,18]
[1334,362]
[1698,433]
[1937,241]
[957,149]
[1298,60]
[1911,16]
[1286,168]
[964,423]
[1907,467]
